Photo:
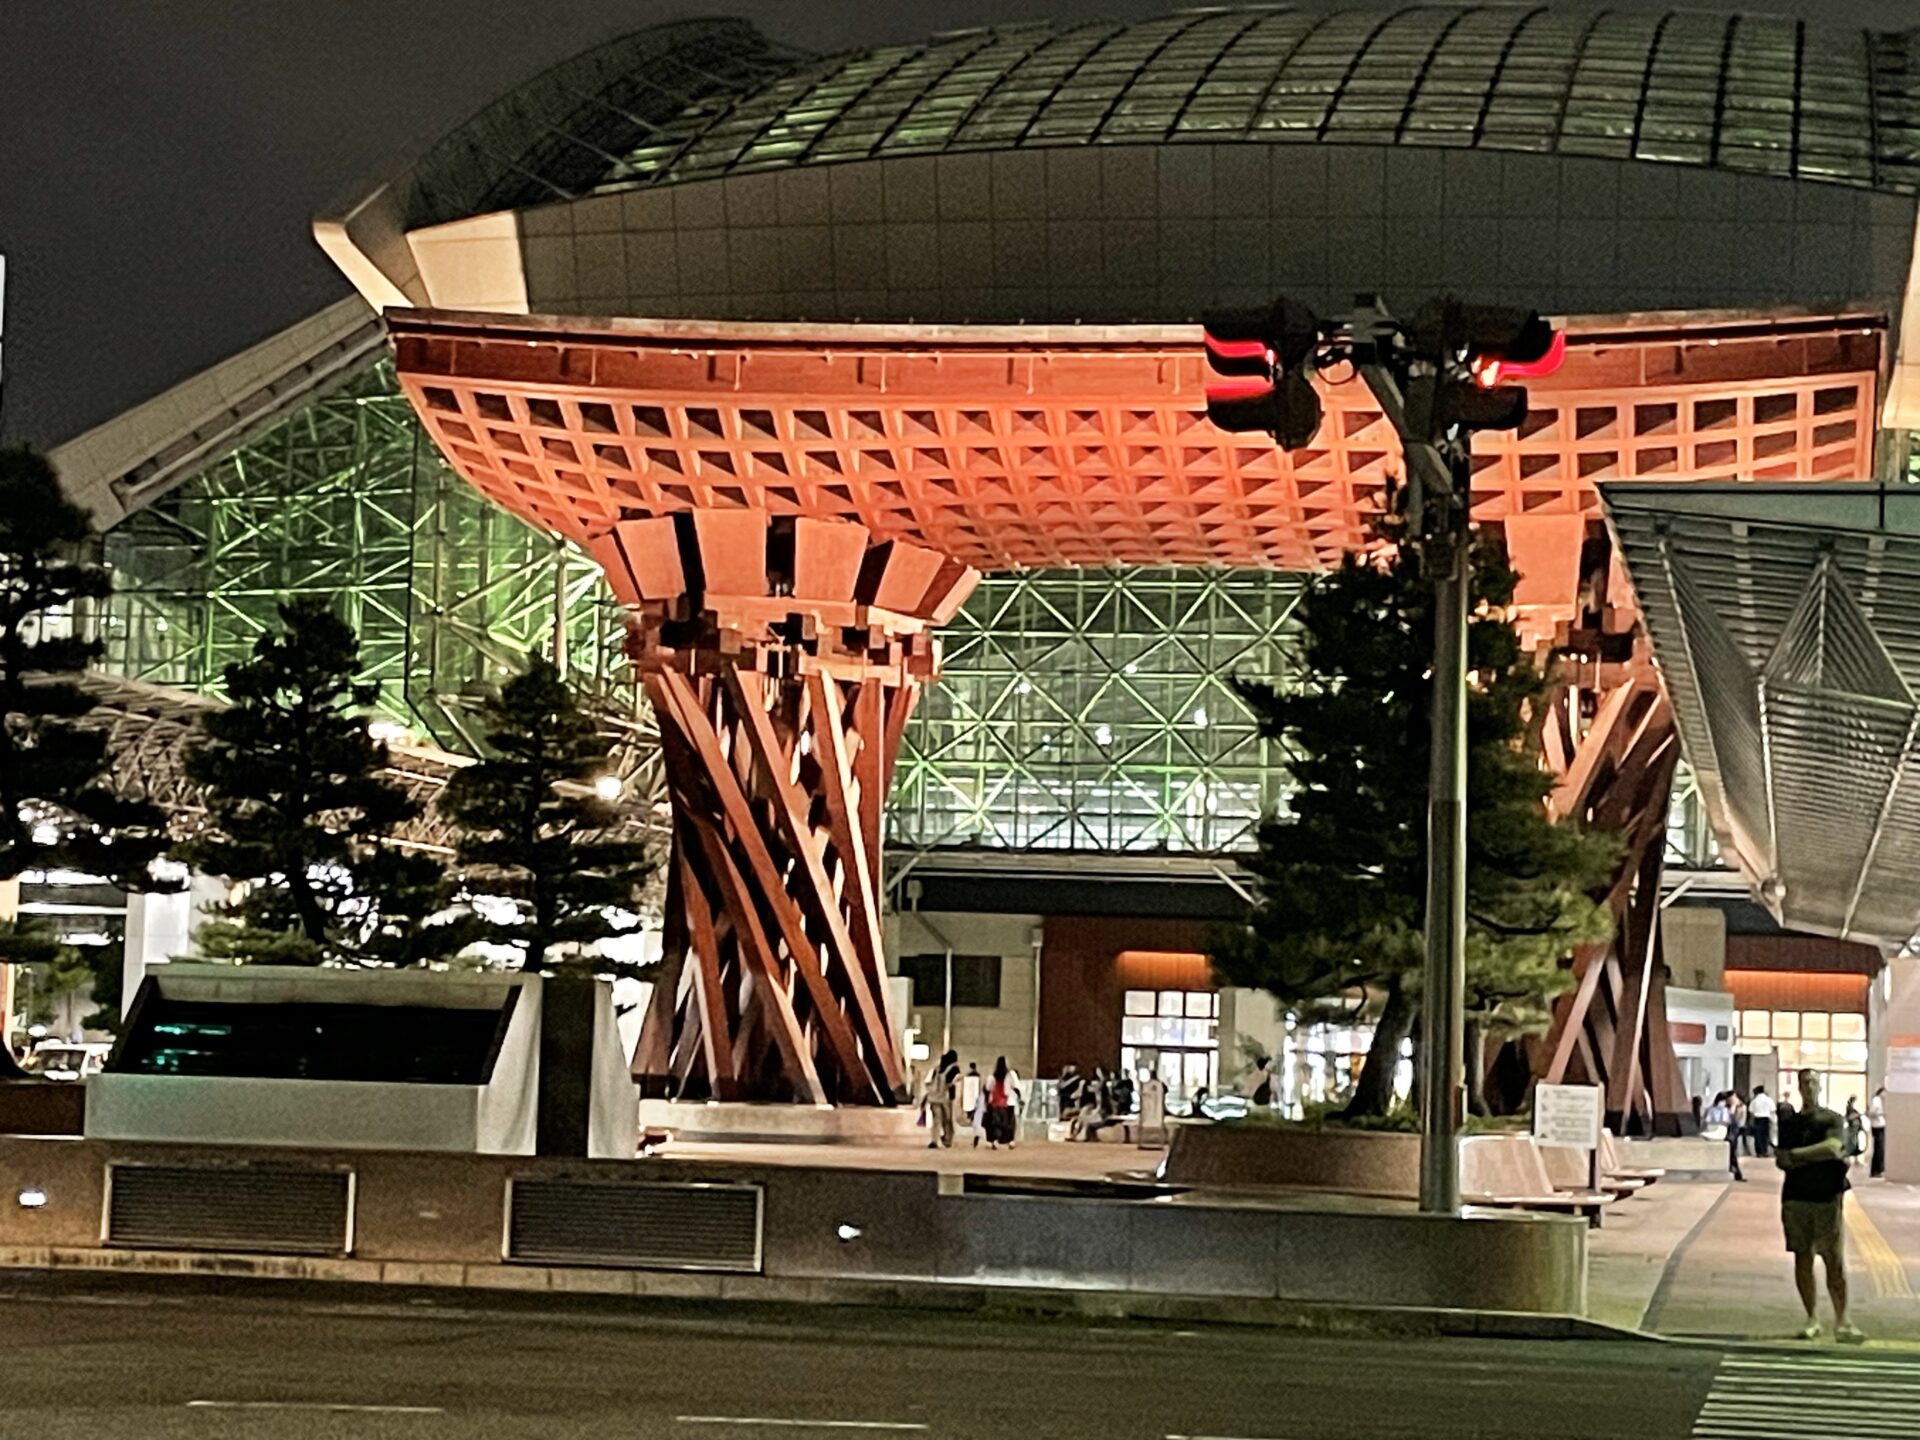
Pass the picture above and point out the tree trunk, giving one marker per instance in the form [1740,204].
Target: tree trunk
[1475,1045]
[1373,1092]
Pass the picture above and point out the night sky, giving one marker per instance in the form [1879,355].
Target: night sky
[160,159]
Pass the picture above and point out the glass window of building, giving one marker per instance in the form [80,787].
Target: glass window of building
[1173,1034]
[1834,1043]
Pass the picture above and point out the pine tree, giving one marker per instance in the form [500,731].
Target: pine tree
[535,834]
[1341,869]
[299,809]
[58,807]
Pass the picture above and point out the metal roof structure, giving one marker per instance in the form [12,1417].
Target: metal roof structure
[696,100]
[127,462]
[1786,621]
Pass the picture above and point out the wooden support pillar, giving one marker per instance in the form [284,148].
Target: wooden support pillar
[781,702]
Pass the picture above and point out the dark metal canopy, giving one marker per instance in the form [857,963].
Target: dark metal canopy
[1786,623]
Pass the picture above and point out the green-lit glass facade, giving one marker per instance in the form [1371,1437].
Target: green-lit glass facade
[1094,710]
[347,499]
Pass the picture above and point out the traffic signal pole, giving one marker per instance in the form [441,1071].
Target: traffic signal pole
[1439,472]
[1442,1013]
[1436,381]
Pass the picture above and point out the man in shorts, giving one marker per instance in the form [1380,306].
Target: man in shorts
[1812,1152]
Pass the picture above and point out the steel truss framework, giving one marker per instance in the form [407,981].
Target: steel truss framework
[344,499]
[1094,710]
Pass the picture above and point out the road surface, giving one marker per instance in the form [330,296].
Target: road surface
[97,1358]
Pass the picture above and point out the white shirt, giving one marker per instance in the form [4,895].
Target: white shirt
[1877,1113]
[1762,1107]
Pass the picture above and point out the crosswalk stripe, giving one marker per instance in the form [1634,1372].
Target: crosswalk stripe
[1788,1396]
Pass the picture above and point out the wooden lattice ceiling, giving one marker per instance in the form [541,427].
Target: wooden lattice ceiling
[1010,449]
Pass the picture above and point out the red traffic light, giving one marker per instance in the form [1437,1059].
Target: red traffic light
[1237,344]
[1491,369]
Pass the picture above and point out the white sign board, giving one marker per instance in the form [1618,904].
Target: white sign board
[1567,1115]
[1903,1069]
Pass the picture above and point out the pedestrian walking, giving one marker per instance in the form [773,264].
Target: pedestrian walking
[1812,1152]
[943,1086]
[973,1101]
[1002,1105]
[1856,1130]
[1720,1112]
[1762,1112]
[1877,1129]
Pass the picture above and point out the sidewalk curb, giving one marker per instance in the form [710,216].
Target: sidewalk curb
[960,1298]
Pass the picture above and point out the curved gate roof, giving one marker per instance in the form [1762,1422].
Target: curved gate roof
[1082,446]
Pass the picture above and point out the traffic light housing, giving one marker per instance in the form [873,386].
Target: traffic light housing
[1287,408]
[1264,358]
[1494,344]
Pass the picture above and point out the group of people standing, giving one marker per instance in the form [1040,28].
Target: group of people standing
[1750,1127]
[991,1103]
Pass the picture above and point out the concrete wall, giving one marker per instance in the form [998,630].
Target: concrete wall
[614,1119]
[979,1033]
[497,1117]
[1354,1162]
[1159,233]
[414,1212]
[1694,941]
[1902,1071]
[1706,1064]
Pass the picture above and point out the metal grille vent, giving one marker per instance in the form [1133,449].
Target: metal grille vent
[648,1226]
[282,1212]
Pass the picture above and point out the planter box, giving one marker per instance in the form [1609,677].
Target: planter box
[1353,1162]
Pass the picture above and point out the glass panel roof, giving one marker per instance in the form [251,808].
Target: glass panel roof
[698,100]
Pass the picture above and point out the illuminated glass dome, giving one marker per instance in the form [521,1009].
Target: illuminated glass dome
[707,99]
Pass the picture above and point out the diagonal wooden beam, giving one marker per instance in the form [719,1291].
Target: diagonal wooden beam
[708,996]
[653,1055]
[860,892]
[790,812]
[899,711]
[1630,1018]
[1570,795]
[776,1005]
[678,702]
[1572,1021]
[870,768]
